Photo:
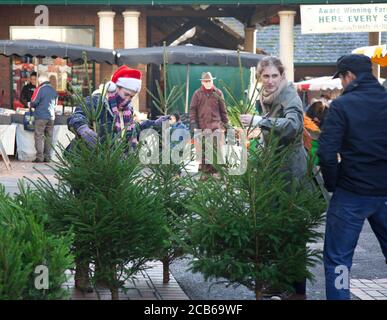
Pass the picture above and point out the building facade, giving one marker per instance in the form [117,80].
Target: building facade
[131,24]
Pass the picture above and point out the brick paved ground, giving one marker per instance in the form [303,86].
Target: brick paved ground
[365,289]
[147,285]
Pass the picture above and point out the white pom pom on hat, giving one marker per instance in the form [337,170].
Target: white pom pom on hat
[127,78]
[110,86]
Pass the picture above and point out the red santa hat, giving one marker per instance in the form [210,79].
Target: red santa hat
[127,78]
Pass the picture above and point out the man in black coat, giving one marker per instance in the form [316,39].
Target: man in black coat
[28,90]
[356,129]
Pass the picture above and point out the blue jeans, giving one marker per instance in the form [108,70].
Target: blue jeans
[345,218]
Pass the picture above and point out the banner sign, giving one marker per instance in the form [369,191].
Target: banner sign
[345,18]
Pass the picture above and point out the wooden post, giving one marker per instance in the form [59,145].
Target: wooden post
[250,39]
[4,155]
[374,39]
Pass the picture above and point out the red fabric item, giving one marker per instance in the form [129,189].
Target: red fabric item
[36,91]
[17,104]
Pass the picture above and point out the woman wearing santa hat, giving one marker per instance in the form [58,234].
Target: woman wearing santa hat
[118,113]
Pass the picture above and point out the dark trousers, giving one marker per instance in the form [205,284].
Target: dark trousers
[205,167]
[43,138]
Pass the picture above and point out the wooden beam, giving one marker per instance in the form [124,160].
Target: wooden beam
[190,13]
[213,38]
[178,32]
[172,29]
[227,29]
[374,39]
[221,35]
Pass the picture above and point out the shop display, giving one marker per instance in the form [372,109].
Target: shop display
[22,68]
[60,72]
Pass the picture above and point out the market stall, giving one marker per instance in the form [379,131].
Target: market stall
[188,55]
[319,87]
[26,143]
[62,63]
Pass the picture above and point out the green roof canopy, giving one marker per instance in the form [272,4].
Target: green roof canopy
[181,2]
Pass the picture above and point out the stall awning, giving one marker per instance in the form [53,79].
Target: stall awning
[187,54]
[378,54]
[321,83]
[46,48]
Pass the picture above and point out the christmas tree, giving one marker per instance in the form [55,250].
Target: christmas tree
[253,229]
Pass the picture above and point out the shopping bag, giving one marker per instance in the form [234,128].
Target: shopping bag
[29,121]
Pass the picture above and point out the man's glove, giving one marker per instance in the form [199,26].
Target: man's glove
[160,120]
[88,135]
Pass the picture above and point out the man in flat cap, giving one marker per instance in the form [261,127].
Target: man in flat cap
[208,111]
[356,129]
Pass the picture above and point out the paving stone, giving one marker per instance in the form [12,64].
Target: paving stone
[375,286]
[381,281]
[366,281]
[355,282]
[374,293]
[365,297]
[357,291]
[361,286]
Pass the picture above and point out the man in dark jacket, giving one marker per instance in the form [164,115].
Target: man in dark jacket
[356,129]
[28,90]
[44,101]
[208,111]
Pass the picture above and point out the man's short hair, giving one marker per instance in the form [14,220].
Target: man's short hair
[33,74]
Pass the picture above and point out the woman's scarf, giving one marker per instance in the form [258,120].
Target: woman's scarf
[267,98]
[118,104]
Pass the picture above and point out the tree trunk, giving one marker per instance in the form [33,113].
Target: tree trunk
[81,277]
[100,276]
[165,262]
[258,291]
[114,292]
[114,283]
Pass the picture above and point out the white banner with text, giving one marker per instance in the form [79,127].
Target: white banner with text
[346,18]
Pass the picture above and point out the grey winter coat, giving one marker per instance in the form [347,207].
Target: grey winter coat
[288,122]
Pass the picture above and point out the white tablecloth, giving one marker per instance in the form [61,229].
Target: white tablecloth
[26,143]
[7,137]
